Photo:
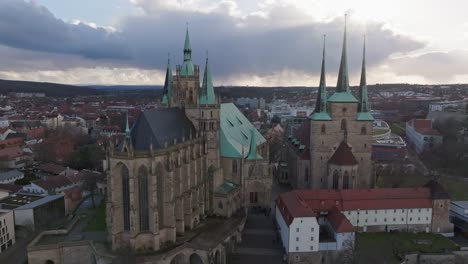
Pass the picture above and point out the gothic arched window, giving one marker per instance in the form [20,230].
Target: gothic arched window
[363,130]
[126,197]
[143,198]
[323,129]
[160,194]
[306,174]
[336,179]
[343,124]
[234,167]
[346,180]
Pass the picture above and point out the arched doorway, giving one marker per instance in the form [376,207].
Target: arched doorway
[178,259]
[217,258]
[195,259]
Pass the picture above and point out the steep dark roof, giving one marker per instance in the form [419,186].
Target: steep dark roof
[437,190]
[343,156]
[156,126]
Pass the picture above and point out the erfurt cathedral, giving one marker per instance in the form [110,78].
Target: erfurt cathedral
[179,163]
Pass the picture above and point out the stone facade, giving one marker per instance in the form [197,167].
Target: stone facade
[325,137]
[169,172]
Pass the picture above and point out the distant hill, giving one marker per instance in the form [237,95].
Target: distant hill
[113,88]
[50,89]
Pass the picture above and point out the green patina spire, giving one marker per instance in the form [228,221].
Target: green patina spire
[364,107]
[343,94]
[253,147]
[127,128]
[321,105]
[343,78]
[363,104]
[167,93]
[187,67]
[320,112]
[207,96]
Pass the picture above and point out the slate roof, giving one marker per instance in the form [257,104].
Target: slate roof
[42,201]
[236,132]
[343,156]
[156,126]
[11,174]
[300,140]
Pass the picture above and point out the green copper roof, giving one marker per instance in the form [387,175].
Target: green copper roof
[321,104]
[364,116]
[207,96]
[167,92]
[226,187]
[187,67]
[342,97]
[236,133]
[320,112]
[343,94]
[343,78]
[253,155]
[320,116]
[363,99]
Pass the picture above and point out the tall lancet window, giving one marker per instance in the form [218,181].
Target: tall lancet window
[346,180]
[336,179]
[160,194]
[126,197]
[143,198]
[343,124]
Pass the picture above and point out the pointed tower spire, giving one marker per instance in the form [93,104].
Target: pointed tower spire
[167,92]
[253,146]
[207,96]
[127,127]
[343,78]
[187,46]
[187,67]
[363,101]
[321,105]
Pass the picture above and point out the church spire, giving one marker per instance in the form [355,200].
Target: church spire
[363,101]
[187,47]
[343,78]
[321,104]
[127,127]
[187,68]
[167,93]
[207,96]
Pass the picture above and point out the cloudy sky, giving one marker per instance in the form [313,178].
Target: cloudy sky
[264,42]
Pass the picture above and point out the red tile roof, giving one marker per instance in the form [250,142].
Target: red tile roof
[343,156]
[303,135]
[52,168]
[53,182]
[423,126]
[303,203]
[12,188]
[11,153]
[339,222]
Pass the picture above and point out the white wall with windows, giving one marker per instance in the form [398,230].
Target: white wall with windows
[304,234]
[7,230]
[414,216]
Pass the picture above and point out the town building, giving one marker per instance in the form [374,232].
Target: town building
[7,230]
[332,148]
[35,212]
[10,176]
[421,136]
[314,223]
[177,164]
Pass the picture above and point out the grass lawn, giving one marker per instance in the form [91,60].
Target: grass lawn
[385,247]
[98,221]
[398,128]
[380,131]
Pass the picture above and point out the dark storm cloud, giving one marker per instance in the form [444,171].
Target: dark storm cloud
[251,45]
[27,25]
